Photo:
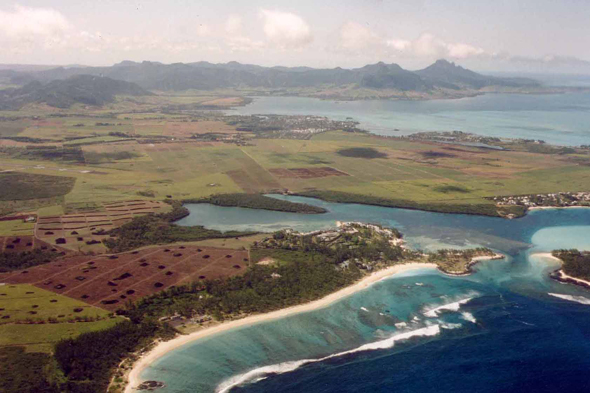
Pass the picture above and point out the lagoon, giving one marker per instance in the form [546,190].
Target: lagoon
[497,328]
[560,119]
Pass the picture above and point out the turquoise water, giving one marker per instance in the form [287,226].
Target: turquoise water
[558,119]
[498,330]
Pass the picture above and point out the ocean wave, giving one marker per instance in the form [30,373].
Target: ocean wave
[468,317]
[454,306]
[450,326]
[289,366]
[571,298]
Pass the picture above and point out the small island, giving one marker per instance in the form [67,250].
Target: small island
[575,267]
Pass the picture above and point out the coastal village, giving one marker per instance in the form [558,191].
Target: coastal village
[561,199]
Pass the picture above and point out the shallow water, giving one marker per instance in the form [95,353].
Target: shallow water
[496,330]
[560,119]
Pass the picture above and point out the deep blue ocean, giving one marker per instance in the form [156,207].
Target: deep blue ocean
[502,329]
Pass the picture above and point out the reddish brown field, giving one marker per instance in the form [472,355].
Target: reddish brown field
[307,173]
[108,281]
[25,243]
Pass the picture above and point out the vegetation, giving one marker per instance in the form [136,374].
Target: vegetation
[484,209]
[159,229]
[450,188]
[260,289]
[96,158]
[362,152]
[52,153]
[458,261]
[88,360]
[27,372]
[84,89]
[575,263]
[257,201]
[440,76]
[23,186]
[21,260]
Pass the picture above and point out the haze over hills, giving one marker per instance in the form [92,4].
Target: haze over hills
[84,89]
[208,76]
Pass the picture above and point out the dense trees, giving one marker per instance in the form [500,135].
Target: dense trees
[21,260]
[484,209]
[575,263]
[159,229]
[300,277]
[257,201]
[87,361]
[26,372]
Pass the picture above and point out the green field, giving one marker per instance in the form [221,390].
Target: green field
[162,160]
[37,318]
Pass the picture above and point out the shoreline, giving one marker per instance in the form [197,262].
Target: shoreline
[556,207]
[162,348]
[559,275]
[474,261]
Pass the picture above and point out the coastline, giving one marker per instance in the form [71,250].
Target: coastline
[468,269]
[556,207]
[162,348]
[559,275]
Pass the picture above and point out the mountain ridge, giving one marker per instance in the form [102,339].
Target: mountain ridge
[63,93]
[203,75]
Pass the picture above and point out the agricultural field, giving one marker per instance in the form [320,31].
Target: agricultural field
[110,281]
[37,318]
[105,157]
[84,228]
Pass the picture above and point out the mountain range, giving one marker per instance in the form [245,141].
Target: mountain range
[84,89]
[54,85]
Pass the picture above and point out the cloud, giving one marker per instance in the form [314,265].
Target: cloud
[23,28]
[429,45]
[286,30]
[354,36]
[244,44]
[233,25]
[398,44]
[203,31]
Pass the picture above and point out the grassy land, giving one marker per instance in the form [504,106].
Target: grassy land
[16,227]
[413,174]
[18,186]
[55,317]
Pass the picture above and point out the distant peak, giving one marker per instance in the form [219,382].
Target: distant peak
[125,63]
[444,62]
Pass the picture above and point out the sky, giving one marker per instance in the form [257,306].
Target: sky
[498,35]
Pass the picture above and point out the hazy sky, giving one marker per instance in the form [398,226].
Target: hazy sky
[498,34]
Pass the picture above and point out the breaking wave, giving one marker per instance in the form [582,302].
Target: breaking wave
[571,298]
[285,367]
[454,306]
[468,317]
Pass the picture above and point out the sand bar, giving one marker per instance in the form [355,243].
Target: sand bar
[164,347]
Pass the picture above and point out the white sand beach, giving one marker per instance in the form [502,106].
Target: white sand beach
[557,207]
[561,272]
[164,347]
